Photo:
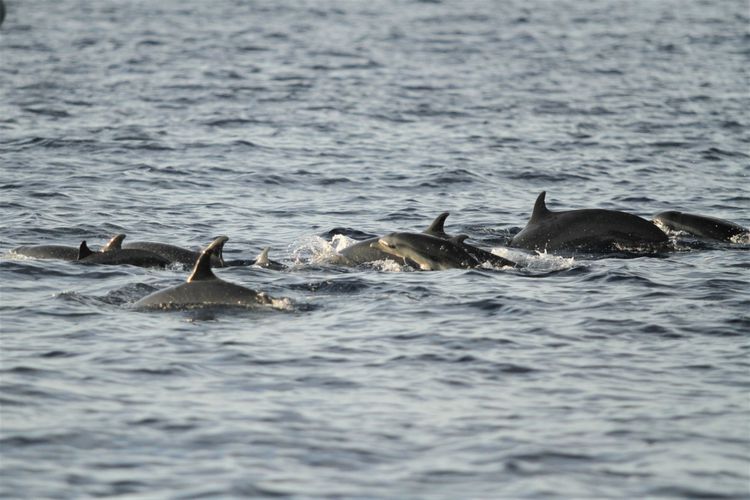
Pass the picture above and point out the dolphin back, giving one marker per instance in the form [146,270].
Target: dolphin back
[61,252]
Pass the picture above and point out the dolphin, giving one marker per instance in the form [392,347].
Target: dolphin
[175,254]
[203,289]
[262,260]
[700,225]
[588,230]
[364,251]
[431,253]
[113,254]
[61,252]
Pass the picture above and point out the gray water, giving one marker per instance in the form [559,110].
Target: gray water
[283,123]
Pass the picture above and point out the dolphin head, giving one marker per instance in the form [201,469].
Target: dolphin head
[407,246]
[390,244]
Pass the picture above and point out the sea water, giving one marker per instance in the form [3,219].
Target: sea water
[304,126]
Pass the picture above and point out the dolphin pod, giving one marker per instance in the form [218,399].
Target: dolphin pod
[581,230]
[139,253]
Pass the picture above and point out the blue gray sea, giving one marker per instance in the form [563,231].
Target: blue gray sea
[303,126]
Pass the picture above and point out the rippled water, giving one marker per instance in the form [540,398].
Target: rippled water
[283,124]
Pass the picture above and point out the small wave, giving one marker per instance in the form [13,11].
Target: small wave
[231,122]
[334,286]
[685,492]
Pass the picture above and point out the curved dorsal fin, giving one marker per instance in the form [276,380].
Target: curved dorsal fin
[437,227]
[114,244]
[262,258]
[459,238]
[540,208]
[218,250]
[84,250]
[202,269]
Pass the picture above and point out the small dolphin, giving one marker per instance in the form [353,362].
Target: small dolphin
[588,230]
[203,288]
[364,251]
[431,253]
[113,254]
[61,252]
[700,225]
[262,260]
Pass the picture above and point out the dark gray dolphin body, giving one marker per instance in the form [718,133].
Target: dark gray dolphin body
[700,225]
[431,253]
[113,254]
[588,230]
[364,251]
[60,252]
[204,289]
[175,254]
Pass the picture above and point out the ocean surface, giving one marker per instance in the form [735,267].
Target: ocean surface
[305,125]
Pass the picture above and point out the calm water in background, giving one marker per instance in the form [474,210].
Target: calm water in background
[276,122]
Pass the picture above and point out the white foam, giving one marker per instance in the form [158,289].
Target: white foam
[313,250]
[540,261]
[742,238]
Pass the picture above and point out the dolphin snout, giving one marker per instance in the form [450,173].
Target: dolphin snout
[381,243]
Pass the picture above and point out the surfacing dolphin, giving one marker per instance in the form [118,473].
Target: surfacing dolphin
[588,230]
[262,260]
[431,253]
[364,251]
[702,226]
[61,252]
[204,289]
[175,254]
[113,254]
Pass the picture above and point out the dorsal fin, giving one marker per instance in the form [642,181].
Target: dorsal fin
[540,208]
[437,227]
[459,238]
[202,269]
[84,250]
[262,258]
[218,251]
[114,244]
